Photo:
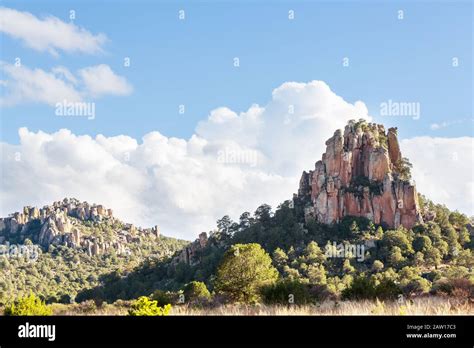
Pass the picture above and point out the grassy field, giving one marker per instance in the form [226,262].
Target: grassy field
[417,306]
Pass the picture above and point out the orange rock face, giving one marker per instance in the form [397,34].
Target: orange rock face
[359,176]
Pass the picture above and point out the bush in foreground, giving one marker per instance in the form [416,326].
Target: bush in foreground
[29,305]
[143,306]
[244,270]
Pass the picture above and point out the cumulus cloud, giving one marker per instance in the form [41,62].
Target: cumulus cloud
[234,162]
[49,34]
[444,170]
[101,80]
[25,85]
[36,85]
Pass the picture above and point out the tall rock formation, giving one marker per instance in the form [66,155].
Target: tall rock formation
[364,174]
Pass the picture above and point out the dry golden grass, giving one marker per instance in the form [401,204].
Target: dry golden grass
[419,306]
[88,308]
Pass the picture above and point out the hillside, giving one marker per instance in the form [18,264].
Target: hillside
[414,247]
[59,250]
[357,228]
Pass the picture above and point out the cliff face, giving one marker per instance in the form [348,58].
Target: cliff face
[362,173]
[190,254]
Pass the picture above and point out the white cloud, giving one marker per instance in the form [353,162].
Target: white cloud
[100,80]
[35,85]
[49,34]
[443,170]
[444,124]
[24,85]
[184,185]
[289,132]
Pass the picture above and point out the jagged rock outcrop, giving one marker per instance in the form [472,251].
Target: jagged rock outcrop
[61,224]
[362,173]
[189,255]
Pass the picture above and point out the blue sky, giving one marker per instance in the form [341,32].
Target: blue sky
[153,165]
[190,62]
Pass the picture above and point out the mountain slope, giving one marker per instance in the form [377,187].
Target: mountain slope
[67,247]
[378,233]
[429,245]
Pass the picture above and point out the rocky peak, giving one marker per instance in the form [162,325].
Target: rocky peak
[362,173]
[68,222]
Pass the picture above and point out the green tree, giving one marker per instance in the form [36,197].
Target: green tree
[29,305]
[395,257]
[280,258]
[417,286]
[225,226]
[196,291]
[377,266]
[419,259]
[465,258]
[316,274]
[354,228]
[286,292]
[433,257]
[404,168]
[263,213]
[379,233]
[313,253]
[244,269]
[422,243]
[347,267]
[398,238]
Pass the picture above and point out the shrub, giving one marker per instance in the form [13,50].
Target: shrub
[361,288]
[244,270]
[367,288]
[287,292]
[165,297]
[377,266]
[417,286]
[196,291]
[143,306]
[458,287]
[387,289]
[321,293]
[29,305]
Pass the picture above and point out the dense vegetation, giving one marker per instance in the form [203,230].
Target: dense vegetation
[28,305]
[272,257]
[432,257]
[60,273]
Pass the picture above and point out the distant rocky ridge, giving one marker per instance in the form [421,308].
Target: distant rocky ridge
[362,173]
[63,222]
